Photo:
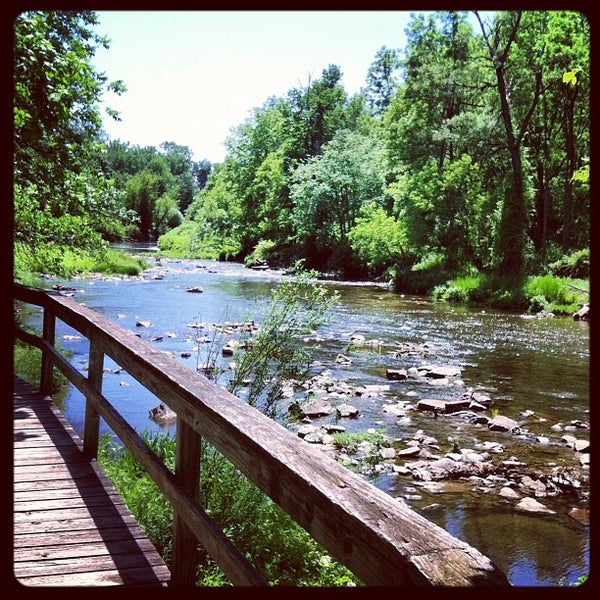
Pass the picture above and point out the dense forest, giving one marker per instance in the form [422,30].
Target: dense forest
[465,154]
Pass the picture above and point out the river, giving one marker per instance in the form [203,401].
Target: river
[524,364]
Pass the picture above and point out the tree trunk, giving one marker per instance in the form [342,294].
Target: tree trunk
[514,217]
[570,169]
[539,230]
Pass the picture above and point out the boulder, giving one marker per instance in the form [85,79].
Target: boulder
[583,314]
[443,406]
[162,414]
[346,411]
[500,423]
[532,505]
[396,374]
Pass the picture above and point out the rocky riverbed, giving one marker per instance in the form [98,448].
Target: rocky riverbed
[461,441]
[484,450]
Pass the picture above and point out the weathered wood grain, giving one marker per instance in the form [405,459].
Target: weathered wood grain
[70,526]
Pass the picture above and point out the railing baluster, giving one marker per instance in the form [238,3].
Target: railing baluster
[91,428]
[49,332]
[187,472]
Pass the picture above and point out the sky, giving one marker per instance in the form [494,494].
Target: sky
[193,76]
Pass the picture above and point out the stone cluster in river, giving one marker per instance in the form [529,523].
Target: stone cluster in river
[431,464]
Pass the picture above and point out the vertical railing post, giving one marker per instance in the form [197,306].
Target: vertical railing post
[49,332]
[91,427]
[187,472]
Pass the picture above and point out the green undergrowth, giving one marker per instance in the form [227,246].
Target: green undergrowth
[561,296]
[282,551]
[62,261]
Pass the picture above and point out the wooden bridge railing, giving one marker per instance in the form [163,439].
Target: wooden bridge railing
[379,538]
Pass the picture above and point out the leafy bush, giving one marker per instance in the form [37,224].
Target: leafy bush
[575,265]
[25,269]
[504,292]
[261,253]
[121,263]
[429,262]
[378,239]
[297,307]
[420,279]
[176,243]
[66,262]
[191,240]
[43,258]
[459,290]
[107,261]
[214,246]
[278,547]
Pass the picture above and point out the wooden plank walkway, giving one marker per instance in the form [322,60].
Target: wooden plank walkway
[71,528]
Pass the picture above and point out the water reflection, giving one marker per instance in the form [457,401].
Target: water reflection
[531,550]
[522,545]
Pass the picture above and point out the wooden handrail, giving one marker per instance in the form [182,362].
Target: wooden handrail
[379,538]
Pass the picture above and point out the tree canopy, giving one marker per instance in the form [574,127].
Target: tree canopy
[466,149]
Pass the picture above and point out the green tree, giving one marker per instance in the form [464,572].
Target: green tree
[269,188]
[217,214]
[202,171]
[557,139]
[511,240]
[151,183]
[181,166]
[436,129]
[59,197]
[445,213]
[152,196]
[328,192]
[318,112]
[430,117]
[381,79]
[262,156]
[569,48]
[259,175]
[378,239]
[121,160]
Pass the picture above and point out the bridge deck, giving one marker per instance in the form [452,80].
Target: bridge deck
[71,528]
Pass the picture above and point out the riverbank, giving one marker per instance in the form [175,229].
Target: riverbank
[555,294]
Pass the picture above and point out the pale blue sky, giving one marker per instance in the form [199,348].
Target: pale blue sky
[192,76]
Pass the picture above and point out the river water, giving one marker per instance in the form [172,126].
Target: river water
[523,364]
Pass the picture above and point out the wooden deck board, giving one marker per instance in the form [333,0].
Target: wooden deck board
[71,528]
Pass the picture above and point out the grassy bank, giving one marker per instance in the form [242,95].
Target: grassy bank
[28,263]
[561,296]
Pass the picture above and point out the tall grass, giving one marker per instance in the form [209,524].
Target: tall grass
[27,364]
[66,262]
[108,262]
[558,295]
